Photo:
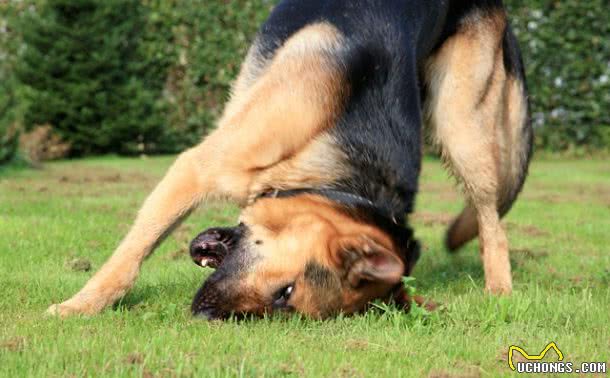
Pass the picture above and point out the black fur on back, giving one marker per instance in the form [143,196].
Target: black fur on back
[386,44]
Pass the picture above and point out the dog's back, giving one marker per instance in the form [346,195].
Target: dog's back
[454,65]
[386,50]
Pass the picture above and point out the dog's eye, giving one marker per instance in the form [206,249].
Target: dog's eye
[282,296]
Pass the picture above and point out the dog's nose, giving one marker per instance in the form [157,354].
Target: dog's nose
[210,247]
[206,250]
[197,251]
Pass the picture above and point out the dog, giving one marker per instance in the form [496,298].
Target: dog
[321,145]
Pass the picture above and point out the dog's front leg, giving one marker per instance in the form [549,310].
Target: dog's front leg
[187,182]
[202,172]
[298,97]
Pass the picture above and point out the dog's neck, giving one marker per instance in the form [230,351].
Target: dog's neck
[345,199]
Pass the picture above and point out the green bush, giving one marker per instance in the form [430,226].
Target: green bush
[84,69]
[206,42]
[9,87]
[8,125]
[8,139]
[565,47]
[567,57]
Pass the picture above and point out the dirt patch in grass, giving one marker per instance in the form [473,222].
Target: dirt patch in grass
[134,359]
[94,244]
[15,344]
[568,193]
[100,176]
[429,219]
[79,265]
[349,372]
[503,357]
[357,344]
[528,230]
[529,253]
[292,369]
[81,181]
[432,219]
[445,192]
[470,373]
[137,359]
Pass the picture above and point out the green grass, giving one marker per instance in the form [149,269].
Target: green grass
[559,233]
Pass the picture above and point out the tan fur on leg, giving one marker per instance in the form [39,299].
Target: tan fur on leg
[270,119]
[174,197]
[471,111]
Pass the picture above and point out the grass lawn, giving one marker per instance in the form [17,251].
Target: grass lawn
[55,221]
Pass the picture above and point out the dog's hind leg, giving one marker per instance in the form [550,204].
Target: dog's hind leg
[296,97]
[478,108]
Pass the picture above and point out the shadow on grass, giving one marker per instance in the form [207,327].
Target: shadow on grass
[466,267]
[135,298]
[148,297]
[445,272]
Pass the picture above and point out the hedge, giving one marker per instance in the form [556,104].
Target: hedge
[8,126]
[192,50]
[9,88]
[205,41]
[88,76]
[565,48]
[567,56]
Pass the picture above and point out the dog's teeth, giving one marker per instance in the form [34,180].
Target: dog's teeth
[204,263]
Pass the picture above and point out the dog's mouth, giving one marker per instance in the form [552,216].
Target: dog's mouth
[210,247]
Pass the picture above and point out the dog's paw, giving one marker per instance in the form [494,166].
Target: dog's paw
[67,309]
[499,287]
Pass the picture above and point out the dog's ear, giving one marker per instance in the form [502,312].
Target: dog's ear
[365,260]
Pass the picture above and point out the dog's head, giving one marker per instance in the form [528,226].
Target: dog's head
[300,254]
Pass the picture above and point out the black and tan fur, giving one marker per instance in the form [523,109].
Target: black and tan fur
[331,98]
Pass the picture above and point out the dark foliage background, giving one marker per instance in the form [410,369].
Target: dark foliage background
[566,45]
[88,76]
[150,76]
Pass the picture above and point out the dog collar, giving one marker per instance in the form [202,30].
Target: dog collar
[338,196]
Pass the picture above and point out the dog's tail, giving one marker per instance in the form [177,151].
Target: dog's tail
[516,149]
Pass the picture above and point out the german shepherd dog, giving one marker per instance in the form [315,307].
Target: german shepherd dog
[321,144]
